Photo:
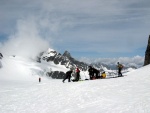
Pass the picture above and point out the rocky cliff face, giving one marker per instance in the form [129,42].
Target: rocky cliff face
[147,53]
[66,59]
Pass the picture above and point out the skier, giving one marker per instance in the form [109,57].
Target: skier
[77,75]
[120,66]
[68,75]
[1,56]
[91,74]
[103,75]
[39,79]
[96,73]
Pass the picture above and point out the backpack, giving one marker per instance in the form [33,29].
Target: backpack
[120,66]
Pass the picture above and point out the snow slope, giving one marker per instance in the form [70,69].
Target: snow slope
[16,67]
[21,93]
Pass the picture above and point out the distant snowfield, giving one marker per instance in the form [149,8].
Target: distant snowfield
[21,93]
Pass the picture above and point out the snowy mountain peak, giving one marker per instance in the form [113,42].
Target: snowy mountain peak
[50,50]
[49,53]
[67,54]
[66,59]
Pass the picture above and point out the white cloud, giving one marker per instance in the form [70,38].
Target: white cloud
[136,61]
[114,26]
[26,41]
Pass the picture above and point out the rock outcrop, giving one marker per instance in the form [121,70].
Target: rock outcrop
[147,53]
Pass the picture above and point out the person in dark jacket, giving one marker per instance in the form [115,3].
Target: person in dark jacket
[91,74]
[39,79]
[96,73]
[120,66]
[68,76]
[1,56]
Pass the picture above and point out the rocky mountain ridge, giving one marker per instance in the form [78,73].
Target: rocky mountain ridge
[61,59]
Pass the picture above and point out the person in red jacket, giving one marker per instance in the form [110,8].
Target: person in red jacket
[78,74]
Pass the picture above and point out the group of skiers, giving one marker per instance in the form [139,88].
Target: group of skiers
[68,75]
[93,73]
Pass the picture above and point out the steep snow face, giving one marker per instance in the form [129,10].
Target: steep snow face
[128,94]
[142,74]
[15,67]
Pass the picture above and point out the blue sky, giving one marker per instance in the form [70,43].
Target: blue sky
[86,28]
